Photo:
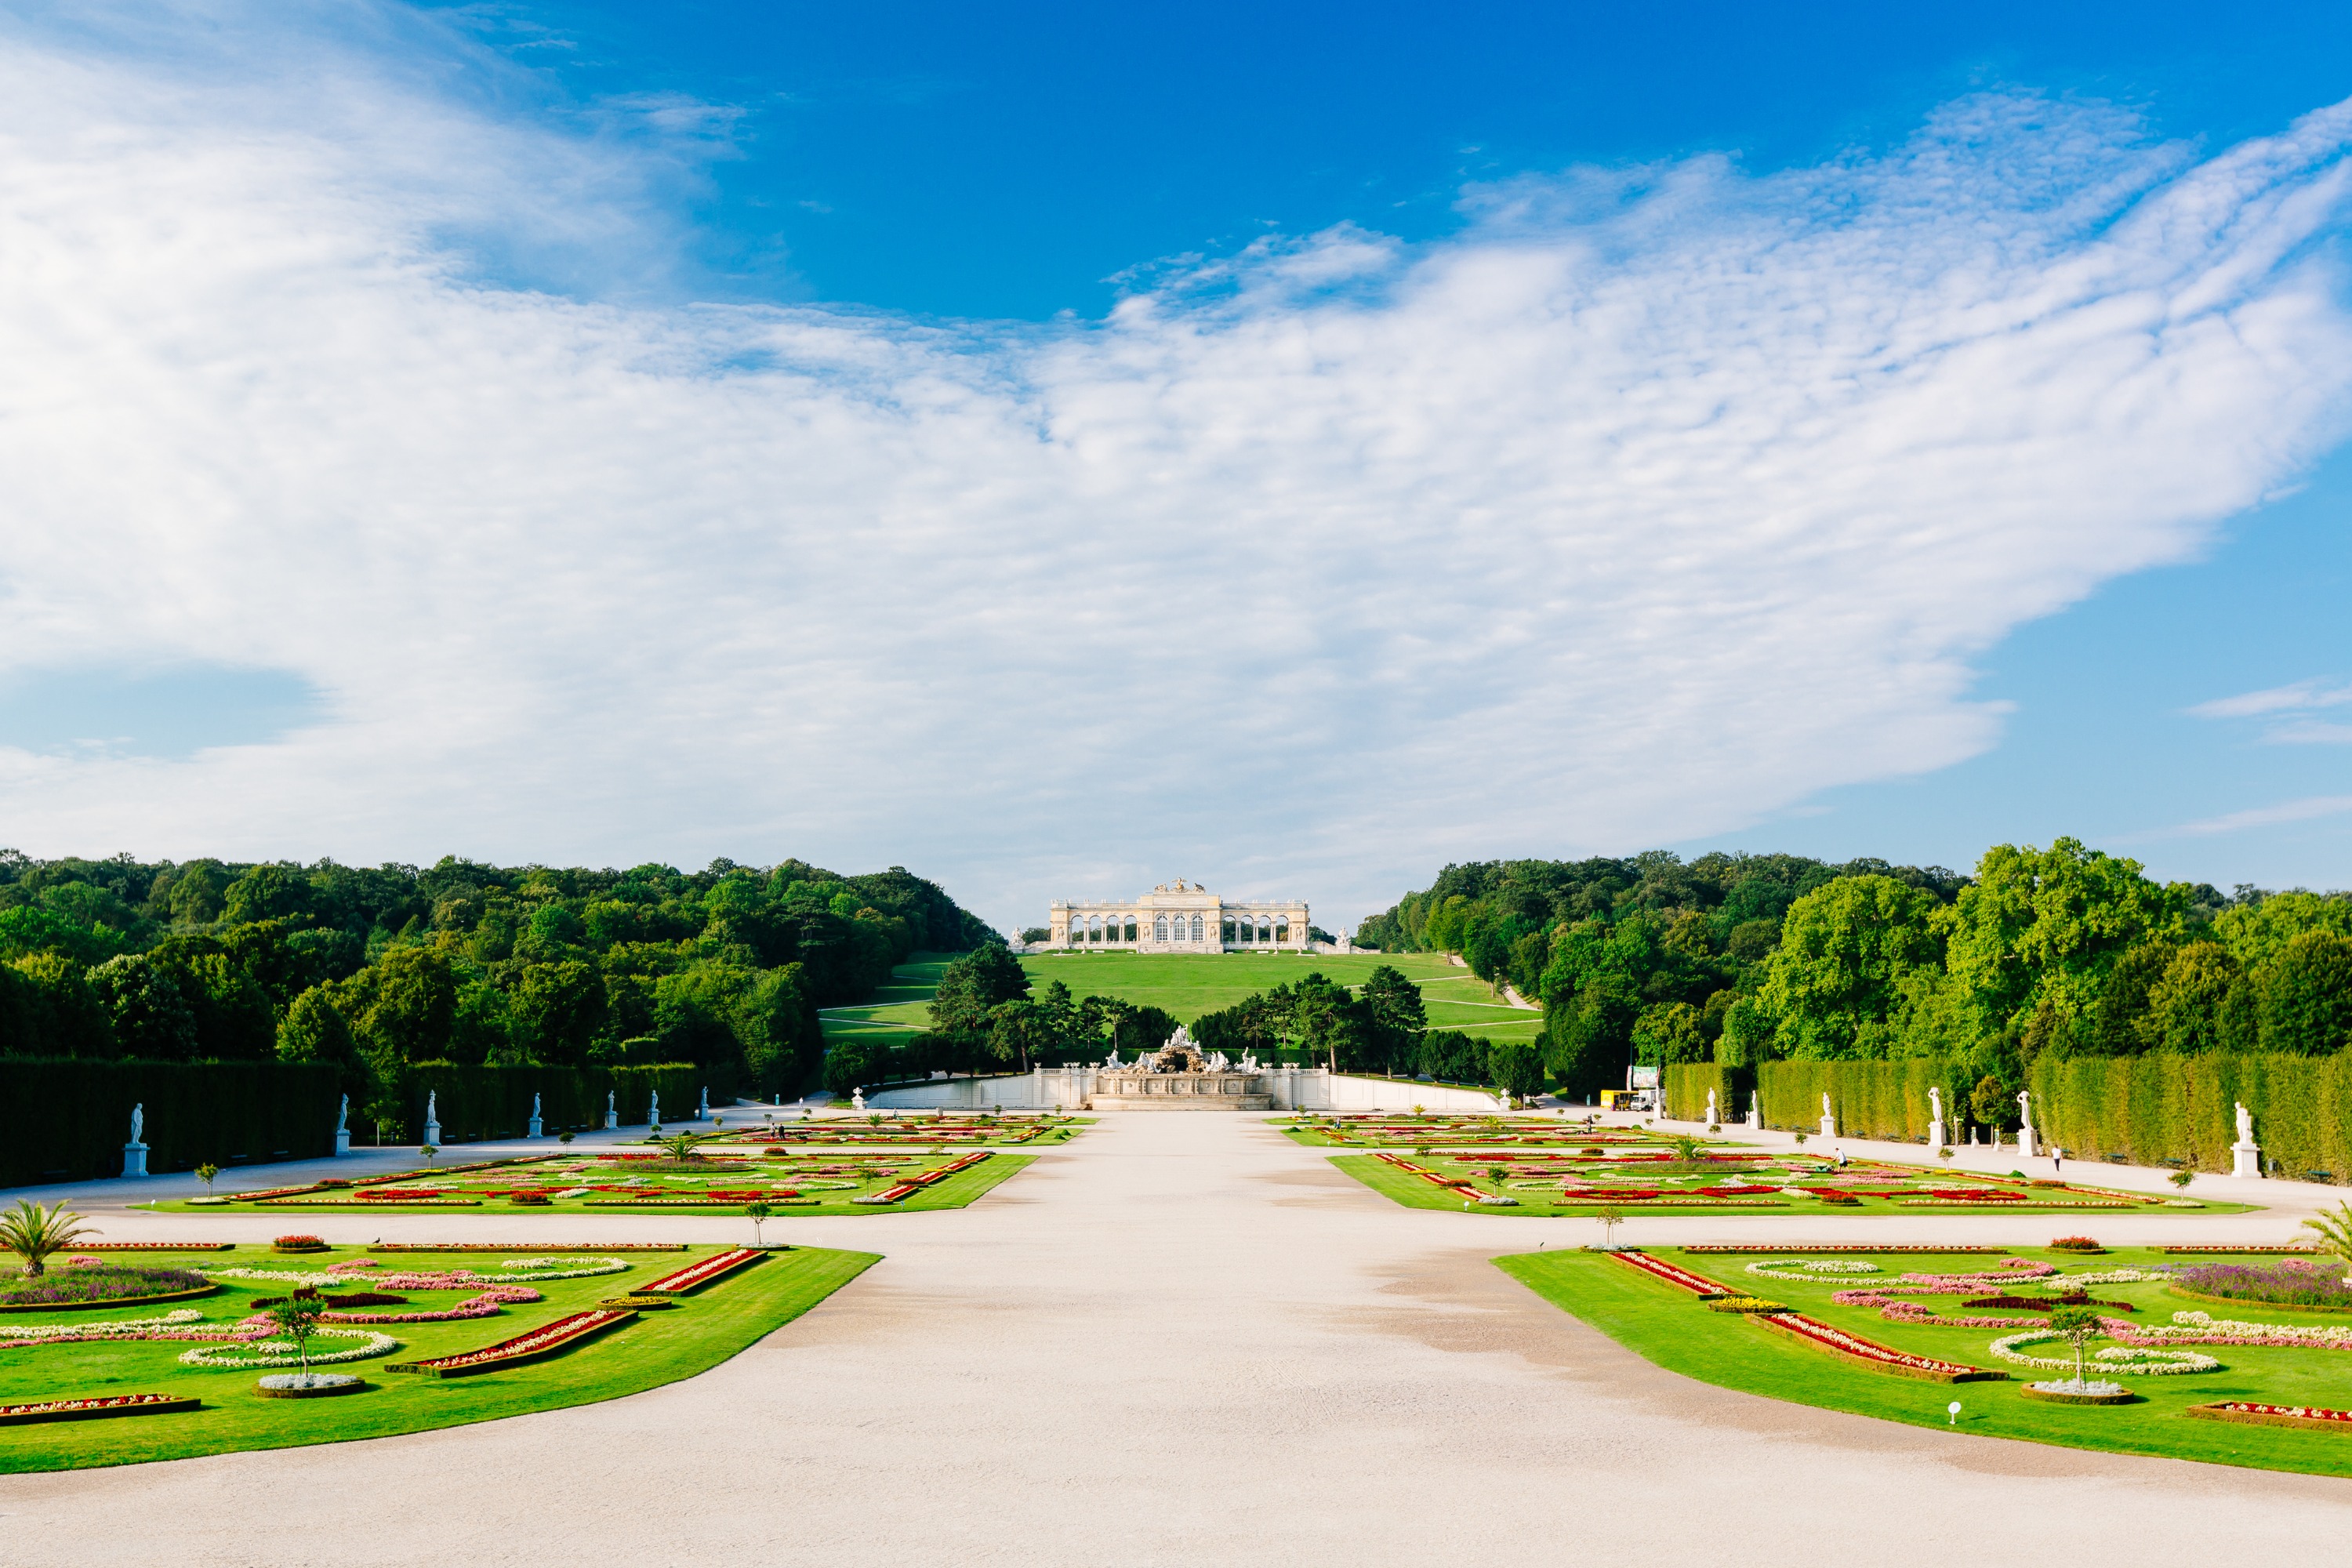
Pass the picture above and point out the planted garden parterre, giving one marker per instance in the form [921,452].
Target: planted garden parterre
[716,1178]
[2214,1364]
[110,1384]
[1642,1178]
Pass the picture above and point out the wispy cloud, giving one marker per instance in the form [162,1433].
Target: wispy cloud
[1650,501]
[2309,809]
[2282,709]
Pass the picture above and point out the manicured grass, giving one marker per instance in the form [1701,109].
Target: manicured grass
[1189,984]
[949,1192]
[1671,1328]
[655,1349]
[1415,1191]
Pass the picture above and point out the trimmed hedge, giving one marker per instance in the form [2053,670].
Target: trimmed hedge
[479,1102]
[1687,1083]
[1886,1099]
[69,1119]
[2163,1107]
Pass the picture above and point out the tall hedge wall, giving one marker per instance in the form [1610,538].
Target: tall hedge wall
[2164,1107]
[1686,1086]
[68,1120]
[480,1103]
[1872,1099]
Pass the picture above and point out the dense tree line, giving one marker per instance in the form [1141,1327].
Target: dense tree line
[1743,958]
[378,969]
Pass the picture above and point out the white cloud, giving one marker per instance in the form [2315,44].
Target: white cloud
[2309,809]
[1652,501]
[2282,707]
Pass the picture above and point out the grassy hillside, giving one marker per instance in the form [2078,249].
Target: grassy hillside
[1187,985]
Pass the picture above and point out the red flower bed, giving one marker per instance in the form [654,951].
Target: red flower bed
[2256,1414]
[694,1275]
[153,1247]
[1696,1284]
[1870,1353]
[890,1195]
[1733,1191]
[559,1335]
[1752,1246]
[93,1409]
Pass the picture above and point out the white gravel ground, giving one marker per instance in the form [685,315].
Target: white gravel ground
[1181,1339]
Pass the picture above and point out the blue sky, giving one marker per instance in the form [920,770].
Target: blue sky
[1060,448]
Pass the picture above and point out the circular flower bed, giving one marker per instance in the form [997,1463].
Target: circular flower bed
[2113,1358]
[2076,1244]
[280,1352]
[308,1384]
[2069,1392]
[1810,1268]
[87,1282]
[296,1244]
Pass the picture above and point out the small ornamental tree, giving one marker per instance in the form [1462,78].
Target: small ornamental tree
[296,1318]
[428,1151]
[33,1232]
[2078,1326]
[757,1213]
[1609,1219]
[207,1174]
[2181,1179]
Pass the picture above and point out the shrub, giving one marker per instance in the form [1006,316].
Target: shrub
[2077,1244]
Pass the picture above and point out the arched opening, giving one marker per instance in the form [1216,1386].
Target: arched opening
[1160,928]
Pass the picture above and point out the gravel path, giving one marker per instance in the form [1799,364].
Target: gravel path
[1181,1339]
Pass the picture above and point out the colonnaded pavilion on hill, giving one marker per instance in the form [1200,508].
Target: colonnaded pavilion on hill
[1182,917]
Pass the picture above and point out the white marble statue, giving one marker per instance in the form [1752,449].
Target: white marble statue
[1825,1104]
[1110,1062]
[432,1105]
[2245,1123]
[612,1102]
[2245,1154]
[653,1112]
[1934,1105]
[343,1116]
[138,1122]
[1711,1117]
[534,1105]
[2027,1144]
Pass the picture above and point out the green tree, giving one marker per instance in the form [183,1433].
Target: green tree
[2078,1326]
[557,1010]
[1394,1015]
[2187,1008]
[2306,995]
[267,893]
[1844,951]
[1668,1033]
[315,1031]
[146,1008]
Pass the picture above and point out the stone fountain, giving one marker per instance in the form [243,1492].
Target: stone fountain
[1178,1077]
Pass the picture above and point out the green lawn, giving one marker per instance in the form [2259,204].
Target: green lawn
[655,1348]
[1189,984]
[489,1190]
[1534,1201]
[1670,1327]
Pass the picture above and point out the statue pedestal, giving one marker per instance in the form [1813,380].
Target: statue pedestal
[2245,1160]
[432,1134]
[342,1140]
[612,1119]
[134,1159]
[1829,1126]
[1935,1135]
[535,1131]
[1756,1121]
[2025,1141]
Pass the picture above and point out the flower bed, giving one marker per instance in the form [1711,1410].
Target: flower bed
[1839,1246]
[307,1385]
[296,1244]
[693,1275]
[2216,1248]
[529,1247]
[1696,1284]
[2310,1416]
[557,1337]
[889,1195]
[1744,1304]
[2136,1362]
[281,1352]
[154,1246]
[2290,1282]
[1801,1269]
[95,1409]
[2069,1393]
[87,1284]
[1872,1354]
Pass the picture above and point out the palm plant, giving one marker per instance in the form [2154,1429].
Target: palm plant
[680,1147]
[2334,1230]
[33,1232]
